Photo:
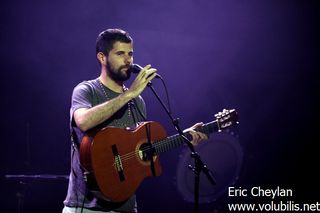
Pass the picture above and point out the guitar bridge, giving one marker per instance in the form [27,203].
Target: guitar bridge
[118,163]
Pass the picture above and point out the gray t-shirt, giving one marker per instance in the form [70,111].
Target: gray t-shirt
[86,95]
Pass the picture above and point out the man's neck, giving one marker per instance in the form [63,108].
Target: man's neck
[115,86]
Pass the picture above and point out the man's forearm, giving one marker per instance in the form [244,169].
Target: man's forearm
[89,118]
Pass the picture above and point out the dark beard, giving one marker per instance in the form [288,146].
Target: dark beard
[118,75]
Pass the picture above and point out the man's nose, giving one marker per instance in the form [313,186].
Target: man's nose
[128,59]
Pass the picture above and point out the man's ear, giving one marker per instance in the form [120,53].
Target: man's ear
[102,58]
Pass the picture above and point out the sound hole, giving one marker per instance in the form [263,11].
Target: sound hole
[146,151]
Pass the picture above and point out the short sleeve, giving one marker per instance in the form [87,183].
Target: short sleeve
[81,98]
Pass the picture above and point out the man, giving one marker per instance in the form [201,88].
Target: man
[105,101]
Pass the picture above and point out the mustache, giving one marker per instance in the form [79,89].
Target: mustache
[124,66]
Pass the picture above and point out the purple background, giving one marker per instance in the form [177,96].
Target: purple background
[258,57]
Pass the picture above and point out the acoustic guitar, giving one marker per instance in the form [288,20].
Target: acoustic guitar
[117,160]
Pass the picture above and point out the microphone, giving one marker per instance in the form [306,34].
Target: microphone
[136,68]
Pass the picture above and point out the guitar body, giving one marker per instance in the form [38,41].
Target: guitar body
[115,162]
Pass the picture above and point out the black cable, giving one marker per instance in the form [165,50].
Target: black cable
[167,94]
[85,193]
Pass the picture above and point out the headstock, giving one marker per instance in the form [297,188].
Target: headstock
[226,118]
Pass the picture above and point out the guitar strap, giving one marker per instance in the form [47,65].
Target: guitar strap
[75,148]
[74,140]
[135,105]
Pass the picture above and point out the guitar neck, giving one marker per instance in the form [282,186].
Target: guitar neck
[177,140]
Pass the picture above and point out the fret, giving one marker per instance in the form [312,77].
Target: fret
[223,121]
[177,140]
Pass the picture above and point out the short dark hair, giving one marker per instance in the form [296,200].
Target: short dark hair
[107,38]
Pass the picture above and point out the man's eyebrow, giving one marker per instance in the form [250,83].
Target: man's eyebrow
[131,51]
[122,51]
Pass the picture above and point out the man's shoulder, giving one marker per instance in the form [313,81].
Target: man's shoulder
[86,84]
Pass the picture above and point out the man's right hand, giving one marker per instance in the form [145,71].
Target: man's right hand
[141,81]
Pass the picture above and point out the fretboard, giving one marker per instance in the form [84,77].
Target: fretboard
[177,140]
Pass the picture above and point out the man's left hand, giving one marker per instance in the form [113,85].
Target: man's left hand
[197,136]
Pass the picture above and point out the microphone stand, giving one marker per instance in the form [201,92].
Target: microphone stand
[199,166]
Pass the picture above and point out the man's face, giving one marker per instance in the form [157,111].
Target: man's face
[119,60]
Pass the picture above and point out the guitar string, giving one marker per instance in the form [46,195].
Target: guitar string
[164,144]
[130,155]
[156,145]
[124,158]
